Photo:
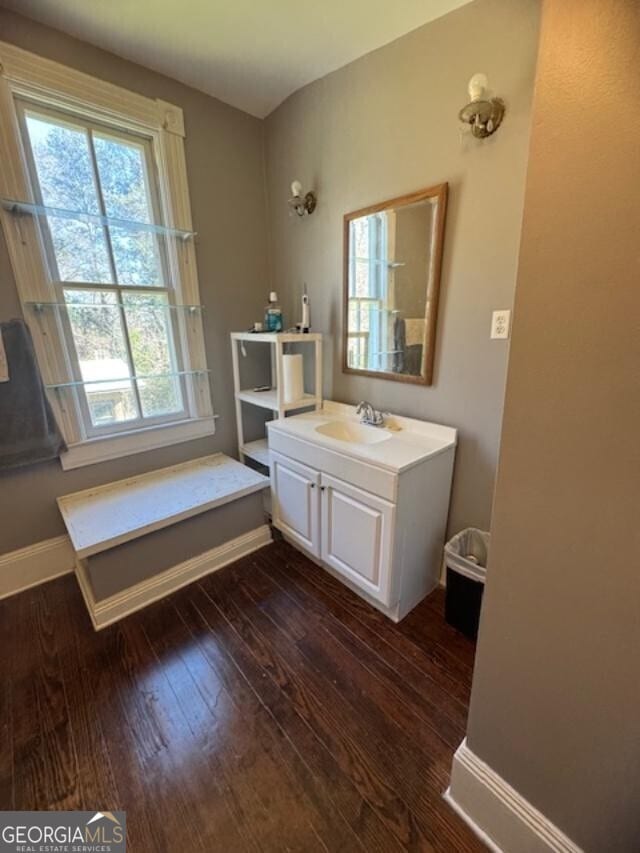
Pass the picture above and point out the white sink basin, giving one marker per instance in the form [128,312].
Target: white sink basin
[353,433]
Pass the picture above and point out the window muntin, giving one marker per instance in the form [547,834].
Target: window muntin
[121,334]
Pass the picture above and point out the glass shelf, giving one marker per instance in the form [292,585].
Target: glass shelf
[40,306]
[386,262]
[81,382]
[28,207]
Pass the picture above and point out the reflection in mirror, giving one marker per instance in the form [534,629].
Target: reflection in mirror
[393,254]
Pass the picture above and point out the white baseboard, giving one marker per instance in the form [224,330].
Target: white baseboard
[497,813]
[136,597]
[35,564]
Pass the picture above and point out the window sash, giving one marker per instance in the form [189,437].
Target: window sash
[175,358]
[26,106]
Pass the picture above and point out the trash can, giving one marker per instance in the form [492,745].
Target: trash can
[465,557]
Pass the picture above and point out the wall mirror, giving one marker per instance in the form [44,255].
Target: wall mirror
[392,261]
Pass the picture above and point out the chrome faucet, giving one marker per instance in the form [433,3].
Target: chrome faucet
[369,415]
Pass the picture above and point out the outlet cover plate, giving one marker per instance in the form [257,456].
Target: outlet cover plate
[500,324]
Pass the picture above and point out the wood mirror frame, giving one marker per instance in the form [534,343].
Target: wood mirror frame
[438,197]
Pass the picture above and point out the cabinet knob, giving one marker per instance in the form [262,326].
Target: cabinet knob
[322,488]
[312,485]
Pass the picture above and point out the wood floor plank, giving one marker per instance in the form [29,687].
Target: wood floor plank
[361,817]
[107,708]
[28,778]
[6,706]
[429,655]
[110,702]
[155,731]
[436,706]
[103,737]
[422,758]
[336,718]
[435,717]
[45,767]
[246,705]
[435,601]
[243,759]
[97,780]
[266,708]
[61,763]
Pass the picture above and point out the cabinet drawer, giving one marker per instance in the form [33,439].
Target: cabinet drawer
[364,476]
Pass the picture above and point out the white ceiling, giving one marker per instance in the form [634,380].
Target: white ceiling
[250,53]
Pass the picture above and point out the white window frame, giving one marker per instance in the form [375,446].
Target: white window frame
[24,75]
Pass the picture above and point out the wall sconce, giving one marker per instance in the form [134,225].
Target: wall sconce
[483,114]
[302,205]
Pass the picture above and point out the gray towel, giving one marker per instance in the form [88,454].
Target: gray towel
[28,430]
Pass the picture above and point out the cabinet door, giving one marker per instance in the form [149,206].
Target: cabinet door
[296,507]
[357,531]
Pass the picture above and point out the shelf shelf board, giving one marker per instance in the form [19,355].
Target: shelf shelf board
[257,450]
[269,400]
[275,337]
[115,306]
[28,207]
[120,380]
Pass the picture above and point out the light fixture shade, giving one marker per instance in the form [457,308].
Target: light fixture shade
[478,85]
[296,189]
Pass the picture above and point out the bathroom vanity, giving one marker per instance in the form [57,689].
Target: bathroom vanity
[369,503]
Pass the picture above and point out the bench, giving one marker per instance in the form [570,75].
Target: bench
[119,525]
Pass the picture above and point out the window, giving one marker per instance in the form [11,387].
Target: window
[369,305]
[108,285]
[110,279]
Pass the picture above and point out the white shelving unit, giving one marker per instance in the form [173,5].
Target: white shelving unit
[274,398]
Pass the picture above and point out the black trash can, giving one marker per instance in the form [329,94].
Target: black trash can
[466,560]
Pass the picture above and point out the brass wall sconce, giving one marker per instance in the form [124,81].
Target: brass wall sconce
[303,205]
[482,113]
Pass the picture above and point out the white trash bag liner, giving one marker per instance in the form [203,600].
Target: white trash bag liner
[467,553]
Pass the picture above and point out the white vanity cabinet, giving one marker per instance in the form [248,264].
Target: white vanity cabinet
[346,527]
[381,531]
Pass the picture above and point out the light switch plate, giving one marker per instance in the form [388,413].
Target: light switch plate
[500,324]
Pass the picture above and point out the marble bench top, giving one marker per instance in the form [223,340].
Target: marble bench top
[100,518]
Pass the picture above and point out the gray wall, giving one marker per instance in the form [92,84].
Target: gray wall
[224,151]
[557,690]
[386,125]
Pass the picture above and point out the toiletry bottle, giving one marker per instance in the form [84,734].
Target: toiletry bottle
[273,314]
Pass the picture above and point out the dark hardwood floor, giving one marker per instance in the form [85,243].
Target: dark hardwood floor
[265,708]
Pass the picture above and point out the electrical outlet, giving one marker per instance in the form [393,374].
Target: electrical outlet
[500,323]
